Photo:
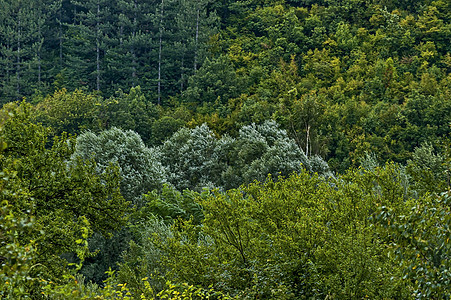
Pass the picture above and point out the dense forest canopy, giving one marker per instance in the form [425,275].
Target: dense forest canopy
[342,77]
[200,149]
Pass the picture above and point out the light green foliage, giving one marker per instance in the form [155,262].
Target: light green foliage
[77,289]
[145,266]
[140,172]
[296,238]
[67,202]
[266,149]
[16,254]
[428,170]
[70,112]
[185,291]
[170,204]
[340,79]
[324,72]
[420,241]
[144,257]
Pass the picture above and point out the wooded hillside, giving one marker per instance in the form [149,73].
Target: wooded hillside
[199,149]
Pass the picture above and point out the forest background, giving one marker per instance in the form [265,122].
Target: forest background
[249,149]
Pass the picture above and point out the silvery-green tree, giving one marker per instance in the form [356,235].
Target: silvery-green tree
[265,149]
[140,172]
[139,166]
[190,158]
[195,158]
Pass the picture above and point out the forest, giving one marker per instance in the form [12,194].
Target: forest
[200,149]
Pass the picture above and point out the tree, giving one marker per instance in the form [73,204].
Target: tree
[190,158]
[130,46]
[419,239]
[428,170]
[139,166]
[70,112]
[16,255]
[164,128]
[216,81]
[266,149]
[89,39]
[299,237]
[196,158]
[194,27]
[132,111]
[68,202]
[140,172]
[22,38]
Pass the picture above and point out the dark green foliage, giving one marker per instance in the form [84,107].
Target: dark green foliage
[164,128]
[272,93]
[215,81]
[132,111]
[70,112]
[304,64]
[67,202]
[170,204]
[107,254]
[140,172]
[101,45]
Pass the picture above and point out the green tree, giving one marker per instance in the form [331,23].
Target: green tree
[420,241]
[164,128]
[67,202]
[94,24]
[428,170]
[132,111]
[263,149]
[16,254]
[216,81]
[190,158]
[21,36]
[300,237]
[70,112]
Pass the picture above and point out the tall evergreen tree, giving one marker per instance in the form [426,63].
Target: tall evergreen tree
[6,51]
[194,26]
[22,35]
[88,40]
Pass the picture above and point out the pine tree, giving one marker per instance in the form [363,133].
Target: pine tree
[88,41]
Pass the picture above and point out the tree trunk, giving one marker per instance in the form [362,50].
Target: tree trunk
[98,48]
[60,21]
[39,52]
[159,53]
[19,29]
[133,47]
[8,61]
[196,41]
[181,75]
